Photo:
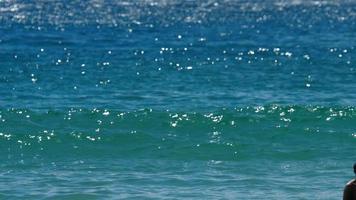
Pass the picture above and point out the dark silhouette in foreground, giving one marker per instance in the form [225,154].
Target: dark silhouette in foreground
[350,188]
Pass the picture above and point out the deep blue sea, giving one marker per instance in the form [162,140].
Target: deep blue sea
[177,99]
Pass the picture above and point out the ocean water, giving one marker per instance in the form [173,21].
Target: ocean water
[177,99]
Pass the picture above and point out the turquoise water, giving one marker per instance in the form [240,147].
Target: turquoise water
[177,99]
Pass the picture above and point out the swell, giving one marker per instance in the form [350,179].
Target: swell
[264,132]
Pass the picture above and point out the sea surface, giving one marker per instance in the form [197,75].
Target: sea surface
[177,99]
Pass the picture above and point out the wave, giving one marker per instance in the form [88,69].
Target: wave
[288,132]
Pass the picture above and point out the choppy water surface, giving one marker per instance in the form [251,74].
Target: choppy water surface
[177,99]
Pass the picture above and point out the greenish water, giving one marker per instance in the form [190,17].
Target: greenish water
[274,151]
[178,99]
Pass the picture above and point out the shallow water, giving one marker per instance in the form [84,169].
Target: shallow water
[177,99]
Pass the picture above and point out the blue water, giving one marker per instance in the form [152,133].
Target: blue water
[177,99]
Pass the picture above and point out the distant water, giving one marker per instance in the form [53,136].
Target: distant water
[177,99]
